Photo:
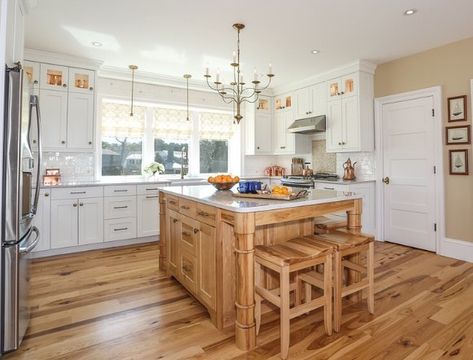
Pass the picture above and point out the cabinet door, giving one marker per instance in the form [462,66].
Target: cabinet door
[64,215]
[148,215]
[207,265]
[334,88]
[54,119]
[42,221]
[279,132]
[263,105]
[319,100]
[53,77]
[173,229]
[31,72]
[349,85]
[80,122]
[303,102]
[262,133]
[90,221]
[351,124]
[189,235]
[290,137]
[334,126]
[81,81]
[188,271]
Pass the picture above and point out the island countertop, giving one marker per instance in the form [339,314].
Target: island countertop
[207,194]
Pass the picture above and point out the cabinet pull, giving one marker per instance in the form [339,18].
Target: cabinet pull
[185,207]
[196,231]
[185,233]
[152,189]
[47,194]
[175,221]
[121,207]
[283,147]
[203,213]
[121,229]
[77,192]
[121,190]
[186,268]
[152,196]
[172,202]
[329,188]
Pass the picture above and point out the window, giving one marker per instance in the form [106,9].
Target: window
[207,143]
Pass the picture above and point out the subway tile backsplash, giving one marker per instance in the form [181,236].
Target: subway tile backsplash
[365,167]
[73,166]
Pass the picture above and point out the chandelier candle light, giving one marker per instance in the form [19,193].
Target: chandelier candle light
[237,93]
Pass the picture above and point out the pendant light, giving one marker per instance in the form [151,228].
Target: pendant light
[133,68]
[187,77]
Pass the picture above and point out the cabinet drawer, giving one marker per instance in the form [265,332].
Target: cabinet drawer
[188,271]
[187,207]
[120,190]
[172,202]
[189,235]
[335,187]
[77,193]
[119,229]
[149,189]
[120,207]
[206,214]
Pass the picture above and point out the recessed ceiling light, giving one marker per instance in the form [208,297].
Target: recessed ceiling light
[315,51]
[97,43]
[409,12]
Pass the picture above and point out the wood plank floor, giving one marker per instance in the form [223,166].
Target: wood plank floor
[116,304]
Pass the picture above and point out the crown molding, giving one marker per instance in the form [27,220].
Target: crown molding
[62,59]
[28,5]
[359,65]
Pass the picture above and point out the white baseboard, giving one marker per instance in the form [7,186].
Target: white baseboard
[457,249]
[102,245]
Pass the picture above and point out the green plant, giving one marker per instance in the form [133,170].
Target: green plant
[154,168]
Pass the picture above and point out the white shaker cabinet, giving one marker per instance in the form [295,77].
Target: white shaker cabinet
[286,143]
[258,125]
[64,222]
[148,215]
[80,121]
[54,119]
[42,220]
[311,101]
[90,224]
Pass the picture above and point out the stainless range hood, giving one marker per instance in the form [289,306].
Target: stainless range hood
[310,125]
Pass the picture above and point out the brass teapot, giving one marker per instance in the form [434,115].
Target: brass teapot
[349,170]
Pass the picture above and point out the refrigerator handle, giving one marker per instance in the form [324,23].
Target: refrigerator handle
[34,103]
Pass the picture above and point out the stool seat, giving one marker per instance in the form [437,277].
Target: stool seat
[344,239]
[294,251]
[329,223]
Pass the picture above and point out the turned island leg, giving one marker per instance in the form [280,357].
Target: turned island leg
[354,225]
[245,325]
[162,232]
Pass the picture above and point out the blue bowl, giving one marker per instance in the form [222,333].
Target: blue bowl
[249,187]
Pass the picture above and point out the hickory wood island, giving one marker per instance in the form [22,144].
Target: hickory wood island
[208,238]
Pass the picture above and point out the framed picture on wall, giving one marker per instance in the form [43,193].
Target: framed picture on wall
[458,162]
[457,135]
[457,108]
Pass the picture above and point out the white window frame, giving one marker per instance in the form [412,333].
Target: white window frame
[234,144]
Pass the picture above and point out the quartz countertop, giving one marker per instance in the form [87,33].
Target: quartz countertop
[208,195]
[344,182]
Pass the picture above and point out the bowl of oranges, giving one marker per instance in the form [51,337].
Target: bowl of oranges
[223,182]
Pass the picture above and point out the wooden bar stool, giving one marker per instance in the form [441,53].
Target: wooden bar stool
[298,255]
[348,244]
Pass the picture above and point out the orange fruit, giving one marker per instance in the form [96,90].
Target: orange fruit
[211,179]
[236,179]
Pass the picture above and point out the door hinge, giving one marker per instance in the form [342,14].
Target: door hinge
[435,226]
[433,112]
[435,169]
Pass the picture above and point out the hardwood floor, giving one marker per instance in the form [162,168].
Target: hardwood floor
[116,304]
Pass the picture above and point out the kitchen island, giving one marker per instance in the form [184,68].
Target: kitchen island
[208,238]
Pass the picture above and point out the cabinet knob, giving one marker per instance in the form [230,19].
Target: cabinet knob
[196,231]
[91,88]
[90,142]
[81,204]
[46,194]
[35,82]
[341,93]
[64,85]
[75,204]
[174,221]
[63,142]
[339,143]
[34,141]
[257,147]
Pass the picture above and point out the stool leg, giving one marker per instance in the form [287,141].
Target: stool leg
[328,294]
[370,272]
[285,321]
[258,298]
[337,292]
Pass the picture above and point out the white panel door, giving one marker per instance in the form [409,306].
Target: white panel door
[409,197]
[64,214]
[80,123]
[148,215]
[90,221]
[334,126]
[54,119]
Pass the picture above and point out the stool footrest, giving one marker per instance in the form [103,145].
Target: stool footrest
[353,288]
[304,308]
[268,295]
[313,278]
[353,266]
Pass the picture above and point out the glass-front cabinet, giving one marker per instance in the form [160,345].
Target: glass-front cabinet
[342,86]
[54,77]
[31,72]
[81,80]
[263,105]
[283,102]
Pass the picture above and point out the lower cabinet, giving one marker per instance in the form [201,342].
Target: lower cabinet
[90,221]
[42,220]
[148,215]
[119,229]
[191,255]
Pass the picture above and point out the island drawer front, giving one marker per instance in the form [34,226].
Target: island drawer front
[172,202]
[77,193]
[119,207]
[149,189]
[206,214]
[120,190]
[119,229]
[188,271]
[189,234]
[187,207]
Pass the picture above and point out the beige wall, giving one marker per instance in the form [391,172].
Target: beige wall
[451,67]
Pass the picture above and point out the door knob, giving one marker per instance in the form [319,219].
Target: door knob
[386,180]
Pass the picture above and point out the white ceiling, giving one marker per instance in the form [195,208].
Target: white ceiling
[177,37]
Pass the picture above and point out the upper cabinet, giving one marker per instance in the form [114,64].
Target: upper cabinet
[258,124]
[311,101]
[285,142]
[67,105]
[283,102]
[350,124]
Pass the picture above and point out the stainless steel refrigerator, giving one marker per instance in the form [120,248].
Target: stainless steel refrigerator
[20,195]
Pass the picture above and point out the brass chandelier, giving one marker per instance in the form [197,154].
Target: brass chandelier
[236,92]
